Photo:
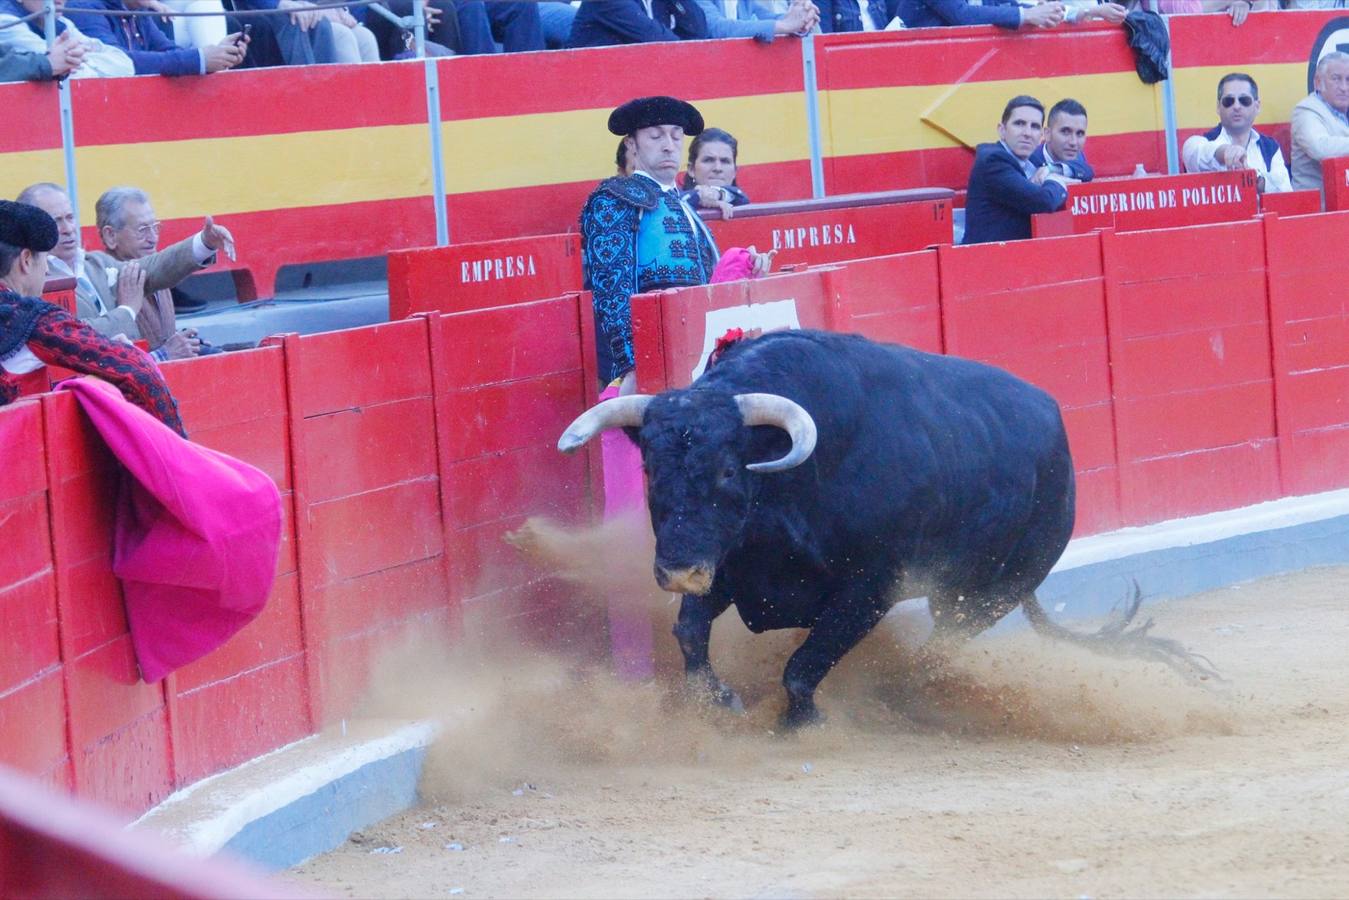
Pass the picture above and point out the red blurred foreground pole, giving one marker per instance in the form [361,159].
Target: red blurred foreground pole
[54,846]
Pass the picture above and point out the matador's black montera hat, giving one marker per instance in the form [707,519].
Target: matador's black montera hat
[644,112]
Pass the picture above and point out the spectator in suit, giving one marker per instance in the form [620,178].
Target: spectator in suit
[98,60]
[1064,151]
[709,180]
[130,232]
[110,300]
[600,23]
[1235,144]
[1005,189]
[1321,121]
[34,333]
[65,56]
[152,52]
[759,19]
[1003,13]
[857,15]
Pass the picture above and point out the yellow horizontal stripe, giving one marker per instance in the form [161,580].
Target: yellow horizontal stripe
[1282,85]
[18,170]
[558,148]
[888,120]
[244,174]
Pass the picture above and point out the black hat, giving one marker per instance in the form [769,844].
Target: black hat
[27,227]
[645,112]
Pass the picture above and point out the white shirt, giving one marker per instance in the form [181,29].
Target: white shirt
[1199,154]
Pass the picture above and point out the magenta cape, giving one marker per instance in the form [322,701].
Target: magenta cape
[196,538]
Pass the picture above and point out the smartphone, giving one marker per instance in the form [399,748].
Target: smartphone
[243,34]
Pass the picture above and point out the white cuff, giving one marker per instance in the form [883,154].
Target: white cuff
[202,253]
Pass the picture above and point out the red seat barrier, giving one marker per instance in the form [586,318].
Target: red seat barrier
[1335,181]
[1037,308]
[1189,350]
[463,277]
[1291,203]
[839,228]
[249,696]
[1158,201]
[1311,349]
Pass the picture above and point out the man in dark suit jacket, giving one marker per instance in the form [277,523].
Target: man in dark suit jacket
[1064,151]
[152,52]
[1005,190]
[599,23]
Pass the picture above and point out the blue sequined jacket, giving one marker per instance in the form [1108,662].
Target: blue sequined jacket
[636,238]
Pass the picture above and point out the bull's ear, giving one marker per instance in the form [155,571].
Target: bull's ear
[618,412]
[790,416]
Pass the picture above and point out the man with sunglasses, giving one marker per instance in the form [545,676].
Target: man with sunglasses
[1235,144]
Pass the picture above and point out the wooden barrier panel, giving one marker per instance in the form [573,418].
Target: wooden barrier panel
[1037,309]
[32,696]
[250,695]
[1189,352]
[837,228]
[118,725]
[906,108]
[894,298]
[368,501]
[1310,338]
[675,331]
[1291,203]
[508,381]
[464,277]
[1157,201]
[1335,180]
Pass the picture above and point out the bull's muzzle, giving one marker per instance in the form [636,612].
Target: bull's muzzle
[695,580]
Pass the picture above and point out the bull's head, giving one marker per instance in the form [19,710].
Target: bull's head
[696,448]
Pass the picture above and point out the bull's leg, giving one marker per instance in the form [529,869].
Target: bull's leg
[838,629]
[693,630]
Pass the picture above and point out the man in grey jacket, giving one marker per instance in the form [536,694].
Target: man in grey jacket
[1321,121]
[65,56]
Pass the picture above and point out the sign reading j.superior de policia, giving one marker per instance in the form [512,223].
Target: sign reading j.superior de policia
[1161,201]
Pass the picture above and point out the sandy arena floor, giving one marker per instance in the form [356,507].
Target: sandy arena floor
[1037,771]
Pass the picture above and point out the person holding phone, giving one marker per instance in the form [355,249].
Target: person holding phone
[152,52]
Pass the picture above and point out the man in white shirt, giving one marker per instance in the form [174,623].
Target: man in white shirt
[1235,144]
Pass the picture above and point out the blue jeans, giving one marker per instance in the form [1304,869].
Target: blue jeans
[556,16]
[515,25]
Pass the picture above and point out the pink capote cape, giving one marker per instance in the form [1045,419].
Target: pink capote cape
[196,536]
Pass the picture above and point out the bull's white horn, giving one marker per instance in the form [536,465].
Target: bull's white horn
[617,412]
[771,409]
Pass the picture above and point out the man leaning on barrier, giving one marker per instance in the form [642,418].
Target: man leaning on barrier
[130,233]
[34,333]
[1235,144]
[1005,188]
[65,56]
[153,52]
[95,58]
[1321,121]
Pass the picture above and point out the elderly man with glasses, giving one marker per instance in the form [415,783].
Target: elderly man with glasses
[1321,121]
[1235,144]
[130,232]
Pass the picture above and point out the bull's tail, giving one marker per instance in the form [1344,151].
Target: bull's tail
[1116,638]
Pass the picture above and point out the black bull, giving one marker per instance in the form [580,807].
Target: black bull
[806,474]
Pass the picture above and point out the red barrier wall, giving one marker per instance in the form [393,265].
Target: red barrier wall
[895,298]
[1335,181]
[1190,352]
[1037,308]
[463,277]
[1310,337]
[32,698]
[1158,201]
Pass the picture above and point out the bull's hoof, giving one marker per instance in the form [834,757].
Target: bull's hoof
[715,693]
[800,715]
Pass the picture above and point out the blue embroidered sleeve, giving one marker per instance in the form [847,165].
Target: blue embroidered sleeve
[609,257]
